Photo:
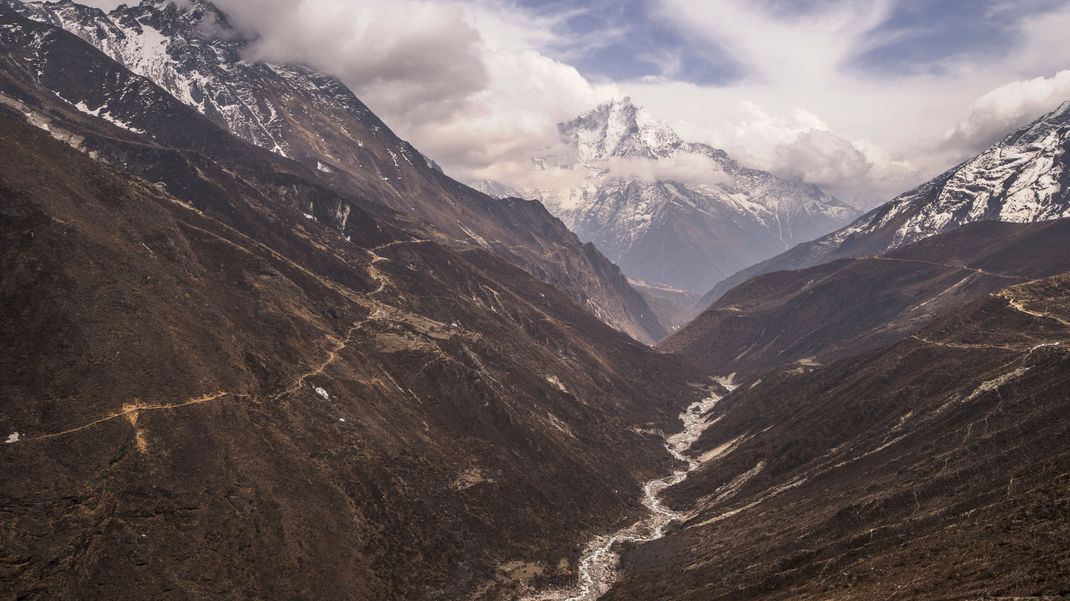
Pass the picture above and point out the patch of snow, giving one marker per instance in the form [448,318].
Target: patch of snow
[997,382]
[557,383]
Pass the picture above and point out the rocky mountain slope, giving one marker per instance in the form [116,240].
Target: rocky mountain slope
[677,213]
[850,306]
[313,119]
[224,375]
[1023,178]
[934,468]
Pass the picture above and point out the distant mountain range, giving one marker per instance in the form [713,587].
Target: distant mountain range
[900,427]
[1023,178]
[671,212]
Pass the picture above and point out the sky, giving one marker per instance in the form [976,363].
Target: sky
[865,98]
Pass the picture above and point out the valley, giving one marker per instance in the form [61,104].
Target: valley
[256,345]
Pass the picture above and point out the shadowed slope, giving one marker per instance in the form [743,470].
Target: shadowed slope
[935,468]
[849,306]
[222,398]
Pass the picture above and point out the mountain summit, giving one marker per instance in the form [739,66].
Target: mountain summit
[673,212]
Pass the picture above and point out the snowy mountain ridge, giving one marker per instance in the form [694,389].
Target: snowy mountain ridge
[1016,180]
[1023,178]
[180,50]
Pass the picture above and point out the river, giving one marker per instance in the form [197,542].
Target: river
[599,564]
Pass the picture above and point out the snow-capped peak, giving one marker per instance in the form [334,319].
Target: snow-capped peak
[671,211]
[618,128]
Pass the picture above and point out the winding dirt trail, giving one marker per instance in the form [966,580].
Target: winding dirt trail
[950,266]
[1019,305]
[598,566]
[131,410]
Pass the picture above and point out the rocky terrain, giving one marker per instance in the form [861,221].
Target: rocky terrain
[898,431]
[226,376]
[255,346]
[671,212]
[934,468]
[1021,179]
[849,306]
[316,121]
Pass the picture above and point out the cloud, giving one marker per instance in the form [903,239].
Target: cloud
[423,57]
[556,173]
[801,145]
[866,98]
[803,73]
[820,157]
[690,169]
[1006,108]
[461,80]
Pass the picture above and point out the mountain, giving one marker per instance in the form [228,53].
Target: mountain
[672,212]
[1022,178]
[934,468]
[225,375]
[191,51]
[850,306]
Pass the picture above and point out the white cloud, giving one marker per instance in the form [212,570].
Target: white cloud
[799,81]
[1006,108]
[471,83]
[423,57]
[461,80]
[685,168]
[820,157]
[558,174]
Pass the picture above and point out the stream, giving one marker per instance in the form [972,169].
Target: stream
[598,566]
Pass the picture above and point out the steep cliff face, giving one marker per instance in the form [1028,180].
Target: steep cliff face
[224,376]
[1023,178]
[313,119]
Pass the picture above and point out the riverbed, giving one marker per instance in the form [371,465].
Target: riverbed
[599,564]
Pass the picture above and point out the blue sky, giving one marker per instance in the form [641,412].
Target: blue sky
[631,39]
[620,40]
[918,35]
